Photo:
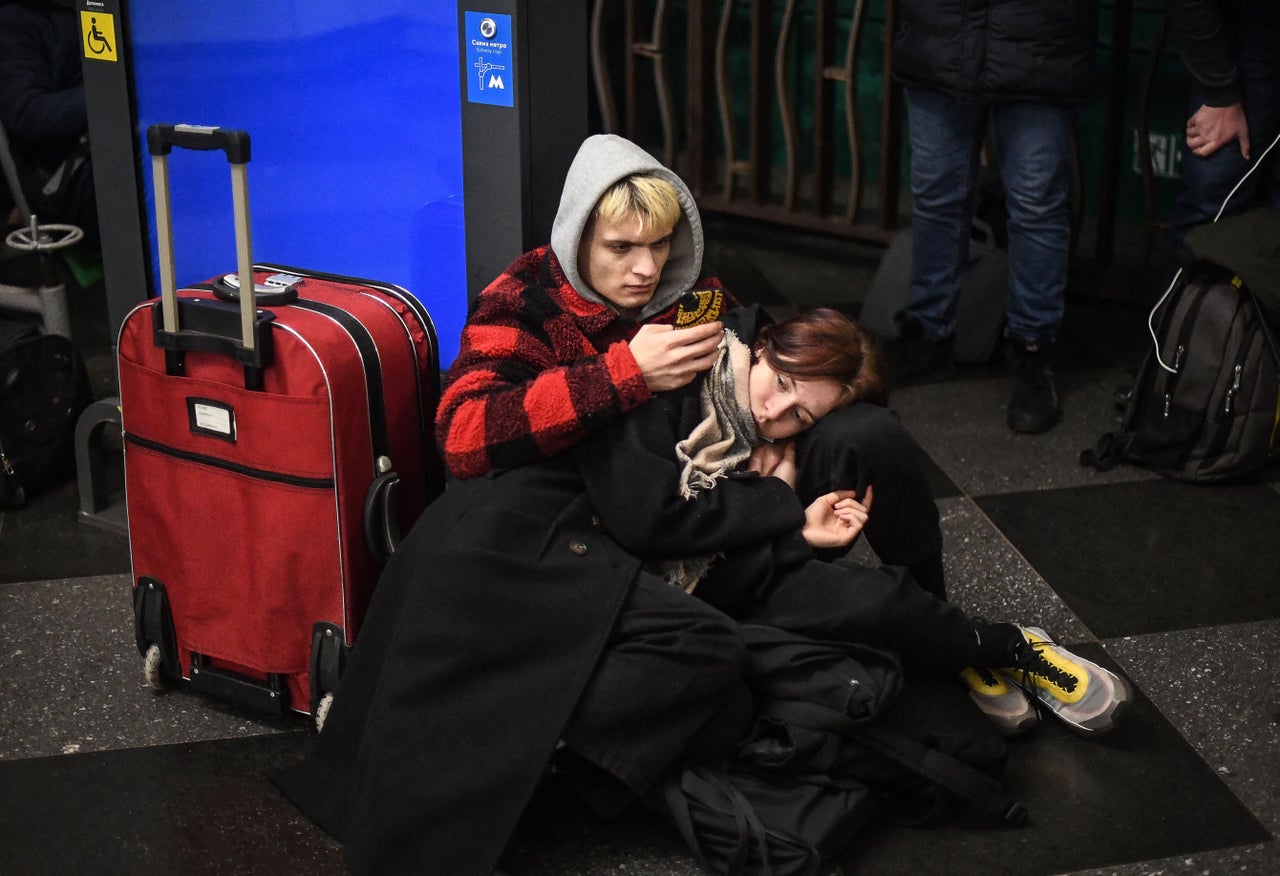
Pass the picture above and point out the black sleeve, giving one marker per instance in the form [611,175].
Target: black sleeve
[1198,30]
[40,101]
[632,476]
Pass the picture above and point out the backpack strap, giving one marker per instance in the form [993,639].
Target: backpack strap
[1106,453]
[968,783]
[1263,321]
[713,787]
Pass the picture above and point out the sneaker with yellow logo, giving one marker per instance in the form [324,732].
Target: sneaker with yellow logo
[1002,702]
[1085,696]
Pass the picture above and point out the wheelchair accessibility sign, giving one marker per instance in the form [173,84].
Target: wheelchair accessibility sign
[490,74]
[98,32]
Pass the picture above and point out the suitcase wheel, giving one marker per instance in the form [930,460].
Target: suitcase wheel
[153,668]
[322,711]
[328,659]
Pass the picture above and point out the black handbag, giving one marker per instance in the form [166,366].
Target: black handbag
[44,387]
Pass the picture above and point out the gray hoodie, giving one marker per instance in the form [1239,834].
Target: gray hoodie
[602,160]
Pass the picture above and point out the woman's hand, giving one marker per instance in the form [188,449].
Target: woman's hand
[836,519]
[775,460]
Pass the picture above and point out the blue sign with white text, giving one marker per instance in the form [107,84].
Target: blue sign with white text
[488,43]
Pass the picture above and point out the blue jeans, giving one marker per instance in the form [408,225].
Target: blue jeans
[1207,181]
[1033,148]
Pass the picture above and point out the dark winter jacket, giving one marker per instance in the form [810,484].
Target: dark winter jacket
[41,92]
[997,50]
[1212,35]
[1247,245]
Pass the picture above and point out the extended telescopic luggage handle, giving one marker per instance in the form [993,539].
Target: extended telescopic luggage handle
[209,325]
[202,324]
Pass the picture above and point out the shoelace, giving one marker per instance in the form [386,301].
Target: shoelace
[986,676]
[1032,662]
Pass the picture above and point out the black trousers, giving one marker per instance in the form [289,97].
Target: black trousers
[668,686]
[865,444]
[884,608]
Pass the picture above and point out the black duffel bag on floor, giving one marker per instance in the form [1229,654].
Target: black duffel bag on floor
[840,740]
[43,389]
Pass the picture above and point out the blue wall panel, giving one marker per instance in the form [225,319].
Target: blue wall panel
[354,114]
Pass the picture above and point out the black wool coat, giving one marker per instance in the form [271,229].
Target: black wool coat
[487,624]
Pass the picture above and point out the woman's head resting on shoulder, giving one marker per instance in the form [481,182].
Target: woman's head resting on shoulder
[805,367]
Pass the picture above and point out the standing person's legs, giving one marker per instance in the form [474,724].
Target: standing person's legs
[946,137]
[1033,144]
[670,676]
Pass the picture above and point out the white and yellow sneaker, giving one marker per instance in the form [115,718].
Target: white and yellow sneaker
[1004,703]
[1085,696]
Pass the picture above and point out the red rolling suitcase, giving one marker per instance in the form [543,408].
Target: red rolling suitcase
[276,442]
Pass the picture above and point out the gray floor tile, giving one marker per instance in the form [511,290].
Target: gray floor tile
[1263,858]
[202,808]
[988,578]
[1218,687]
[71,677]
[1093,802]
[961,424]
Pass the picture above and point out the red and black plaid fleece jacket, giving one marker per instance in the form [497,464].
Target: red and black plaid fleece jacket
[539,369]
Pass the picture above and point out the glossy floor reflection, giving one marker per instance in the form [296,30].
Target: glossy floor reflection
[1174,586]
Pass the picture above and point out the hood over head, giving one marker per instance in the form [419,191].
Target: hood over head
[602,160]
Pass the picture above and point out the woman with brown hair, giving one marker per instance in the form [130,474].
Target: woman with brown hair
[590,604]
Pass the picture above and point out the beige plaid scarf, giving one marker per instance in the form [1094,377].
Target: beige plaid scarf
[720,442]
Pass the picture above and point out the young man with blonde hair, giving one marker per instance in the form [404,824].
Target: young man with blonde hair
[576,333]
[618,307]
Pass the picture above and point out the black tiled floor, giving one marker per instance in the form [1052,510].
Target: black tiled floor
[195,808]
[1152,556]
[1079,820]
[1173,585]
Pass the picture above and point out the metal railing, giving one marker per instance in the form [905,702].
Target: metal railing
[786,110]
[730,109]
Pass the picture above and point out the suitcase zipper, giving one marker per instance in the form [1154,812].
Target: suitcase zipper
[432,391]
[215,462]
[368,350]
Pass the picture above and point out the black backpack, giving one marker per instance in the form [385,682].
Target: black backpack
[1206,404]
[43,389]
[840,740]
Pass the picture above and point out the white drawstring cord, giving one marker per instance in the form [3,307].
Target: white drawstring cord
[1152,315]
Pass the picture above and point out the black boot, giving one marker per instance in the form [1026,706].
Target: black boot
[1033,398]
[913,355]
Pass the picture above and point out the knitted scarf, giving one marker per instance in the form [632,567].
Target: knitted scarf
[724,437]
[720,442]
